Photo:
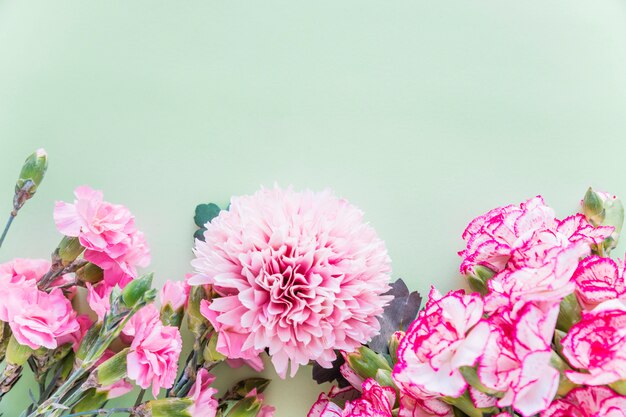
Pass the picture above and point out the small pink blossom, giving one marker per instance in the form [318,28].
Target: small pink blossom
[597,280]
[37,319]
[523,236]
[597,344]
[154,351]
[98,298]
[204,403]
[374,401]
[588,402]
[517,358]
[299,274]
[107,231]
[174,293]
[447,334]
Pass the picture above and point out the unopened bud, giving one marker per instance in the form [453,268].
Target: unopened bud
[69,249]
[139,290]
[90,273]
[30,178]
[166,407]
[383,377]
[478,278]
[171,317]
[394,342]
[365,362]
[604,209]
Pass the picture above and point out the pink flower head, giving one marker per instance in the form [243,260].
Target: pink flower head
[549,282]
[204,403]
[597,344]
[375,401]
[174,293]
[597,280]
[98,298]
[446,335]
[588,402]
[525,235]
[23,269]
[37,319]
[424,405]
[154,351]
[298,273]
[84,323]
[108,233]
[517,358]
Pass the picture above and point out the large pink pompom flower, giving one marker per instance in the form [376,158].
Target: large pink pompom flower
[525,235]
[588,402]
[154,350]
[447,334]
[597,344]
[107,231]
[298,273]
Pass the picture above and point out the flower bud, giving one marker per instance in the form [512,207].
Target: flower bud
[17,354]
[478,278]
[365,362]
[171,317]
[167,407]
[210,353]
[604,209]
[383,377]
[90,273]
[30,177]
[69,249]
[113,369]
[139,290]
[394,342]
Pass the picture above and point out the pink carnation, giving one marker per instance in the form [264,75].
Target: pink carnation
[204,403]
[588,402]
[174,293]
[37,319]
[98,298]
[23,269]
[107,231]
[375,401]
[423,406]
[597,344]
[524,235]
[154,351]
[517,358]
[84,323]
[447,334]
[298,273]
[597,280]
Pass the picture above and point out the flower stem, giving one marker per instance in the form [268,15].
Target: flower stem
[102,411]
[8,226]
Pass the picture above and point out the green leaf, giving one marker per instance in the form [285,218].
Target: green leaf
[205,213]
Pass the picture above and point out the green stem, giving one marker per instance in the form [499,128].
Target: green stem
[102,411]
[140,397]
[8,226]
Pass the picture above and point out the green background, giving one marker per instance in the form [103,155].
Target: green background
[423,113]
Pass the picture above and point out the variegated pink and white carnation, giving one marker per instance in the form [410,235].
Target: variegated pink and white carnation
[516,361]
[373,401]
[588,402]
[447,334]
[298,273]
[596,345]
[599,279]
[107,232]
[523,236]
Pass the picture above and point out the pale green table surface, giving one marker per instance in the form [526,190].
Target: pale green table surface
[423,113]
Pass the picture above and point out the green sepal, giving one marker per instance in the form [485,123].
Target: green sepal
[170,407]
[91,400]
[138,289]
[17,354]
[113,369]
[365,362]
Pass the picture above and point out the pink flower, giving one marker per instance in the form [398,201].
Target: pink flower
[597,344]
[423,406]
[84,323]
[298,273]
[588,402]
[514,237]
[446,335]
[204,403]
[23,269]
[107,231]
[517,358]
[154,351]
[174,293]
[375,401]
[599,279]
[37,319]
[548,282]
[98,298]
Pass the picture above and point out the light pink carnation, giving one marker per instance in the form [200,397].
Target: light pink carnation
[599,279]
[154,351]
[174,293]
[98,298]
[523,236]
[204,403]
[447,334]
[84,323]
[374,401]
[548,282]
[107,231]
[37,319]
[597,344]
[588,402]
[23,269]
[517,358]
[298,273]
